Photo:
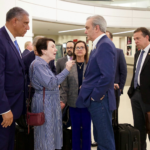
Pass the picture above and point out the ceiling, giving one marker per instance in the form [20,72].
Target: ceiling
[113,3]
[52,28]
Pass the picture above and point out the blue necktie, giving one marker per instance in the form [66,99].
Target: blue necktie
[138,69]
[16,44]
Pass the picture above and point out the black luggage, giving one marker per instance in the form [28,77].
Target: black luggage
[67,136]
[23,140]
[126,136]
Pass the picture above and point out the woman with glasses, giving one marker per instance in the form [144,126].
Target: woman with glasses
[69,90]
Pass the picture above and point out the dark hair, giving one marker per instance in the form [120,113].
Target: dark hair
[86,48]
[69,42]
[144,31]
[111,35]
[15,12]
[42,45]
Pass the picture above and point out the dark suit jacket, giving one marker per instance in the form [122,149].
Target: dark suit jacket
[61,64]
[144,79]
[12,73]
[121,69]
[100,75]
[25,52]
[27,61]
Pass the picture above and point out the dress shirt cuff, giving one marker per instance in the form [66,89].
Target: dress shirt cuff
[5,112]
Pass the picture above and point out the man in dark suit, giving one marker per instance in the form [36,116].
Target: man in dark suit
[12,75]
[139,91]
[28,48]
[60,65]
[97,91]
[121,70]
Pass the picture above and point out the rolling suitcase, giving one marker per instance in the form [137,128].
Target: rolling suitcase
[23,140]
[126,136]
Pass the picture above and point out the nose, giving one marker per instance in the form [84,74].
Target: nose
[56,49]
[85,31]
[28,27]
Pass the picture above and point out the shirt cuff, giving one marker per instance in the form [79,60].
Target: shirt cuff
[5,112]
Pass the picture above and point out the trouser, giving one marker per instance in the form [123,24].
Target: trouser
[139,108]
[81,128]
[102,124]
[7,136]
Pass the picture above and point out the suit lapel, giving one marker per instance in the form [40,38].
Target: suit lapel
[146,60]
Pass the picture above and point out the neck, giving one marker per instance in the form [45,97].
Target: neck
[45,58]
[80,59]
[9,27]
[145,46]
[97,35]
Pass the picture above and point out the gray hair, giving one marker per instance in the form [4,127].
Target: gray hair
[15,12]
[36,38]
[99,20]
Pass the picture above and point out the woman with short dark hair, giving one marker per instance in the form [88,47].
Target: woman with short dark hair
[49,135]
[69,90]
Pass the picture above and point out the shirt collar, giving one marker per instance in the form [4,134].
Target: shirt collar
[42,60]
[68,57]
[10,35]
[97,39]
[147,48]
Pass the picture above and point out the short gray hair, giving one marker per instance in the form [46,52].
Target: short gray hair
[15,12]
[99,20]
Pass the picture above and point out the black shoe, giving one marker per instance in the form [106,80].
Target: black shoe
[94,144]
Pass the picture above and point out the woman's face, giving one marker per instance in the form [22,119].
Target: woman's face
[51,50]
[80,50]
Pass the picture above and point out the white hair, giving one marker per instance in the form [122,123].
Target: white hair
[98,20]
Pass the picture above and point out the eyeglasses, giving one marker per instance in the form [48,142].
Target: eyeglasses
[69,47]
[78,48]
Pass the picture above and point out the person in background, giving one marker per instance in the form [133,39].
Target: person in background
[121,70]
[139,91]
[49,135]
[97,91]
[69,90]
[12,73]
[28,48]
[60,64]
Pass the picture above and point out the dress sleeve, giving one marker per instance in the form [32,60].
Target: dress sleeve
[47,80]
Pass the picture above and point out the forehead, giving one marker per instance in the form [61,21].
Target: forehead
[70,44]
[80,44]
[138,34]
[50,43]
[25,18]
[89,22]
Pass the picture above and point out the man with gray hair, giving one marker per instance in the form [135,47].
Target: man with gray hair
[12,74]
[97,91]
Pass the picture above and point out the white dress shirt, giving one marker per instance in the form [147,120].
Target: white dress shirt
[12,37]
[143,60]
[97,39]
[68,57]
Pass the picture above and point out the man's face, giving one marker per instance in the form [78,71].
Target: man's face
[30,46]
[89,30]
[69,48]
[141,41]
[21,25]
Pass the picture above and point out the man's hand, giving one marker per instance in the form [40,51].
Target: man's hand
[116,86]
[62,105]
[7,119]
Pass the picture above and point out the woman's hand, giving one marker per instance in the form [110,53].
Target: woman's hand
[69,64]
[62,105]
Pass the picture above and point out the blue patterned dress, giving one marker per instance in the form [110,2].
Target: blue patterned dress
[49,135]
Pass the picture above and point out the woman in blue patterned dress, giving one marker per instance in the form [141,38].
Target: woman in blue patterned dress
[49,135]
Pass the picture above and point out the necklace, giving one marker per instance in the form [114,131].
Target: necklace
[80,65]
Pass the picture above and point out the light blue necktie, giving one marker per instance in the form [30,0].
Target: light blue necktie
[138,69]
[16,44]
